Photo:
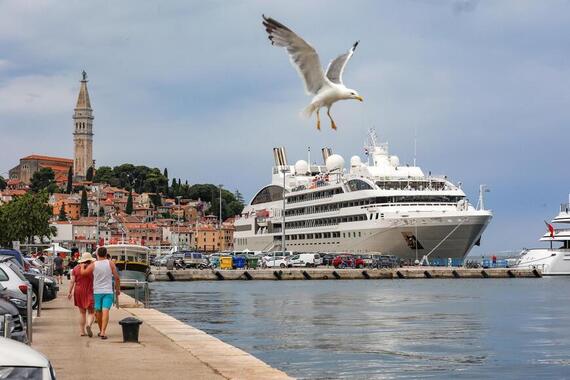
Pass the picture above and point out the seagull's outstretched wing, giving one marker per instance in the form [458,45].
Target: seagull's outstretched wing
[303,56]
[337,65]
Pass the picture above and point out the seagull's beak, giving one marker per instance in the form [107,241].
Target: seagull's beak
[359,98]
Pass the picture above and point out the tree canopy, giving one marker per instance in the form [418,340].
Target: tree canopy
[43,179]
[25,218]
[3,183]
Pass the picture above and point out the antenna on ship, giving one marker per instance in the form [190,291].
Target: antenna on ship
[309,157]
[415,145]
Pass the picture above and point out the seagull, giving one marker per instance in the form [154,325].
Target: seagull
[326,88]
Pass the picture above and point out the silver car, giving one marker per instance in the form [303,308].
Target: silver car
[12,278]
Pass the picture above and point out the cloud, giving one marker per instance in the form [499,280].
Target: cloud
[196,87]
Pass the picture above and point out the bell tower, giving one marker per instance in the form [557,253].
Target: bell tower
[83,134]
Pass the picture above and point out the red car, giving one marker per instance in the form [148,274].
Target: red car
[348,261]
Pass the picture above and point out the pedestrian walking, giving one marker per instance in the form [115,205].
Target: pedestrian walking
[81,289]
[58,263]
[103,271]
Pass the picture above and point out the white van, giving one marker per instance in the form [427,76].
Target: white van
[306,260]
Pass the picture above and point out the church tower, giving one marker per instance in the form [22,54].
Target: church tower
[83,135]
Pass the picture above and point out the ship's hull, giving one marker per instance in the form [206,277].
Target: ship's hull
[552,262]
[406,239]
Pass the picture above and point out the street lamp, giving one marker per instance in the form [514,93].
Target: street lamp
[284,170]
[221,206]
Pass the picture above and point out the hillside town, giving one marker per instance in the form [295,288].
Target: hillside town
[125,204]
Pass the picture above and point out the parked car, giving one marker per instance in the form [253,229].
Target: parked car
[16,324]
[17,255]
[327,258]
[385,261]
[348,261]
[306,260]
[17,299]
[20,361]
[195,260]
[278,262]
[12,278]
[368,259]
[50,285]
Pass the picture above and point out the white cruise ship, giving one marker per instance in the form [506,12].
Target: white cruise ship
[375,206]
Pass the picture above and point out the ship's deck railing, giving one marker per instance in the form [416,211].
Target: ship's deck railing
[565,207]
[374,205]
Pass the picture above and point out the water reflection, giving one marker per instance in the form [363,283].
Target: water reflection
[384,329]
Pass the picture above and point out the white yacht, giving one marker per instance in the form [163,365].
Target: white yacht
[551,261]
[373,206]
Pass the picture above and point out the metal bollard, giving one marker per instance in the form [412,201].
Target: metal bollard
[40,295]
[146,296]
[29,314]
[7,320]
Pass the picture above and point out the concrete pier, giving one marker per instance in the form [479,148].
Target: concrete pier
[168,348]
[278,274]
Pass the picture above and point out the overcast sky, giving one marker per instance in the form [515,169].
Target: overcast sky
[197,87]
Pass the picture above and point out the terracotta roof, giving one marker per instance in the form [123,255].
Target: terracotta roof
[48,158]
[14,192]
[86,221]
[13,182]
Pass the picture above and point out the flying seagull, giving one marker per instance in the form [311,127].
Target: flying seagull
[327,88]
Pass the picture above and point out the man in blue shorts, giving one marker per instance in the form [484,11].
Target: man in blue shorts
[103,272]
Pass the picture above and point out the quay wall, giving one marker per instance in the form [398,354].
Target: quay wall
[278,274]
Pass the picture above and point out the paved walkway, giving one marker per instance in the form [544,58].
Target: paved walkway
[158,355]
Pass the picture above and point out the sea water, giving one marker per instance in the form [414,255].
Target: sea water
[385,329]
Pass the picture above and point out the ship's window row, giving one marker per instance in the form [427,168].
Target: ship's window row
[325,221]
[412,185]
[327,207]
[314,195]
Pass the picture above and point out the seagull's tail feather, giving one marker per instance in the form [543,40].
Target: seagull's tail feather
[308,111]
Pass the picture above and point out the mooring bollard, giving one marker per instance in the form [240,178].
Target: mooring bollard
[307,275]
[29,317]
[40,296]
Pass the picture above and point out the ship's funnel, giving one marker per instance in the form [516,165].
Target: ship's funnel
[279,156]
[326,154]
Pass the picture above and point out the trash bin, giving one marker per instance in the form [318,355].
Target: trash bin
[130,327]
[239,262]
[226,262]
[252,262]
[170,264]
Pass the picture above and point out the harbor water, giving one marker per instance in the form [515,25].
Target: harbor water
[504,328]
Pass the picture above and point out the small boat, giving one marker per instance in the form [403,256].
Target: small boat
[552,261]
[132,262]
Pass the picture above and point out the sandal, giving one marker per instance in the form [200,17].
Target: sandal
[83,335]
[104,337]
[89,332]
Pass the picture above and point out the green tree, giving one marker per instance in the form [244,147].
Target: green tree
[165,173]
[103,175]
[62,215]
[84,207]
[3,183]
[43,179]
[25,218]
[129,208]
[89,174]
[69,189]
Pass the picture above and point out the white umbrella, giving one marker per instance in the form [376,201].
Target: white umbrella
[58,249]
